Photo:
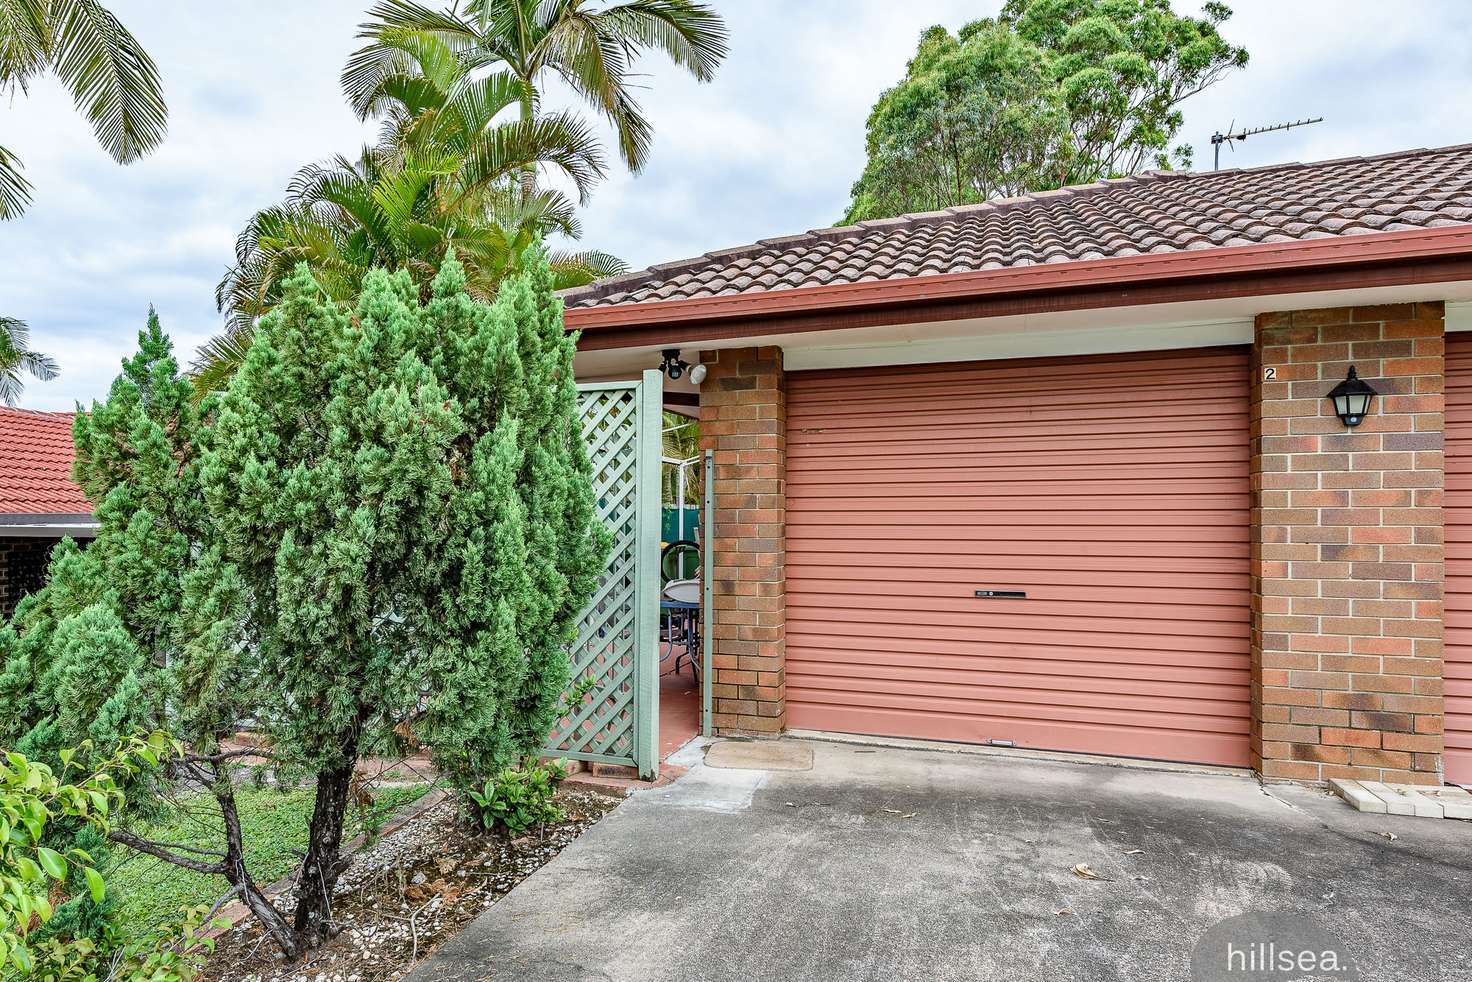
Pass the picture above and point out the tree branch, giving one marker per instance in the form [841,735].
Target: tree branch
[159,852]
[262,752]
[232,892]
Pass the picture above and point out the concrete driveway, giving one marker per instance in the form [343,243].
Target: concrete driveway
[906,865]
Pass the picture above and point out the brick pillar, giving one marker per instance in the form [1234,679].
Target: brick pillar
[743,418]
[1347,547]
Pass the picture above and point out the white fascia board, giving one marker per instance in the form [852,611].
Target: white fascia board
[1022,344]
[1458,316]
[48,531]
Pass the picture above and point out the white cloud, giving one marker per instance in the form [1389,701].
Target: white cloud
[769,148]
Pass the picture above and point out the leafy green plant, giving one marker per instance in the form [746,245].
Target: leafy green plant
[576,693]
[34,800]
[520,798]
[171,950]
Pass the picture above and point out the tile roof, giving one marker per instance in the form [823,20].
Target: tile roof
[36,464]
[1156,212]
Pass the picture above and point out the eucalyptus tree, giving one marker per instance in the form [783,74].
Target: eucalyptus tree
[1047,93]
[112,80]
[590,48]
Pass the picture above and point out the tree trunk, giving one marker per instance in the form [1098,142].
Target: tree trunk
[324,862]
[250,894]
[528,172]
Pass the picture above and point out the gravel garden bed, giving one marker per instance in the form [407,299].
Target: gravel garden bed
[408,893]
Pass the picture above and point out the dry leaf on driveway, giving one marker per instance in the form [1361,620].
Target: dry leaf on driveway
[1083,872]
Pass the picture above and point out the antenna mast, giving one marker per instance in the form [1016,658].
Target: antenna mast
[1218,138]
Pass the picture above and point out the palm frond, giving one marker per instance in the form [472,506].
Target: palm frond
[405,94]
[693,35]
[11,385]
[16,356]
[113,81]
[43,367]
[217,361]
[24,40]
[386,52]
[15,190]
[510,29]
[562,140]
[570,269]
[472,103]
[15,334]
[401,195]
[594,62]
[592,52]
[546,211]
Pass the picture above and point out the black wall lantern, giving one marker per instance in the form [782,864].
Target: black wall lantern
[1351,398]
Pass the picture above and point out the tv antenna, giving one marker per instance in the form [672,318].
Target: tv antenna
[1218,138]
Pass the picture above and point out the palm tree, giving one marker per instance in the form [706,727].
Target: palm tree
[434,103]
[441,176]
[399,211]
[592,50]
[16,356]
[112,80]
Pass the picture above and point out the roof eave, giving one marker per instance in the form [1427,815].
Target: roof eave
[48,525]
[47,518]
[1371,259]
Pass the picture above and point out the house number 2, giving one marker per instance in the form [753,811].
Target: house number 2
[1269,374]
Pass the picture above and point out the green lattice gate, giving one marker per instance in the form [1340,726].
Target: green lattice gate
[617,722]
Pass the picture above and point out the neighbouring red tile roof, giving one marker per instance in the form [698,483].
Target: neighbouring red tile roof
[1156,212]
[36,464]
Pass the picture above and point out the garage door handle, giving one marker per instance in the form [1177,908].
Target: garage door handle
[1002,594]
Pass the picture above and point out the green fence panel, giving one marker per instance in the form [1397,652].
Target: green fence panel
[617,721]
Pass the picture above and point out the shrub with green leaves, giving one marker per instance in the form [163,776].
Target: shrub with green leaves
[520,798]
[384,528]
[33,801]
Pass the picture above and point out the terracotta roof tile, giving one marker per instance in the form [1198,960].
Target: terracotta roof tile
[36,464]
[1150,213]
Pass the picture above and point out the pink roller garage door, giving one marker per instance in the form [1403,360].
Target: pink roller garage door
[1111,490]
[1458,515]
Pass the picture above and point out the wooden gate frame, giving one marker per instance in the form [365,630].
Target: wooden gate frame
[617,721]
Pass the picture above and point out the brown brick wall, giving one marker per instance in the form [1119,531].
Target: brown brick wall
[743,419]
[22,569]
[1347,547]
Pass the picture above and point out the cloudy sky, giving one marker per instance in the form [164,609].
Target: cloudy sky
[770,148]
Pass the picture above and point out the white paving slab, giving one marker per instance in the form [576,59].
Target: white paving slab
[1455,802]
[1425,807]
[1357,796]
[1403,799]
[1395,802]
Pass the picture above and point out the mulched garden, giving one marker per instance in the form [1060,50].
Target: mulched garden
[408,893]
